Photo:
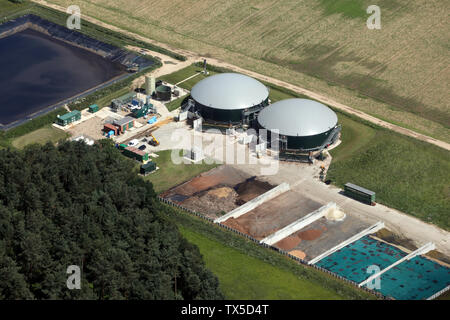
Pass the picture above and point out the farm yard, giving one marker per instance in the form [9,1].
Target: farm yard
[418,187]
[318,52]
[398,73]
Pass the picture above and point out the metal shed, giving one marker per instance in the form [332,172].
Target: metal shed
[68,118]
[124,124]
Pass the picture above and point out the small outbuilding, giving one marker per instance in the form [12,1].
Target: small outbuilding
[135,153]
[68,118]
[147,168]
[93,108]
[124,124]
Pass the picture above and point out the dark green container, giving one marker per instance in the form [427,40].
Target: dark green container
[148,167]
[93,108]
[359,193]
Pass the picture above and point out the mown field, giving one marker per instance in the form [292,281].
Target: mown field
[399,73]
[40,136]
[245,277]
[409,175]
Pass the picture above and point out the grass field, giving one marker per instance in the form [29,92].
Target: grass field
[41,136]
[245,277]
[185,73]
[175,104]
[399,73]
[171,174]
[8,7]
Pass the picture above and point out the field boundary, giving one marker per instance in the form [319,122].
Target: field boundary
[438,294]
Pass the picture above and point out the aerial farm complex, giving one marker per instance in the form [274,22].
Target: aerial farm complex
[295,210]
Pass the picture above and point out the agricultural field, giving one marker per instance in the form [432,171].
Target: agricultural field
[40,136]
[8,7]
[399,73]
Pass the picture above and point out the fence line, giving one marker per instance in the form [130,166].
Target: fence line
[285,253]
[437,294]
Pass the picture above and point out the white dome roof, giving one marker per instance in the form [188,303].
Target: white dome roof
[298,117]
[229,91]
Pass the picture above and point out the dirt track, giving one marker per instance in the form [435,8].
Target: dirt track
[193,57]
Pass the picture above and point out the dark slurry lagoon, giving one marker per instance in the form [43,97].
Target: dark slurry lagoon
[37,71]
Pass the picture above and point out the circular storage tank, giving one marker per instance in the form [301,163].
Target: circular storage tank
[306,124]
[163,92]
[224,97]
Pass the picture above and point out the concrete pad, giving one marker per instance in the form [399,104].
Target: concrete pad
[299,224]
[275,214]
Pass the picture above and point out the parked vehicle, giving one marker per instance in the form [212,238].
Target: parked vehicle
[143,147]
[133,142]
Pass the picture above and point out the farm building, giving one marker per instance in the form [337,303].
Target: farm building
[302,124]
[135,153]
[93,108]
[68,118]
[124,124]
[147,168]
[229,98]
[108,127]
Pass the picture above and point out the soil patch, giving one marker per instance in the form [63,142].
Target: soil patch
[298,254]
[250,189]
[213,202]
[390,237]
[288,243]
[311,234]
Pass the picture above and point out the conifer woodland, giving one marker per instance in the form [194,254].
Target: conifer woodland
[86,206]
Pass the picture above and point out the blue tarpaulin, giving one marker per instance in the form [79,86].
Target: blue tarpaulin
[152,120]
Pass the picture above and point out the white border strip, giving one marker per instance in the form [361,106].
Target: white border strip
[298,225]
[377,226]
[252,204]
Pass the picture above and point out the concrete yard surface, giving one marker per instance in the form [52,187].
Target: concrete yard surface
[274,214]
